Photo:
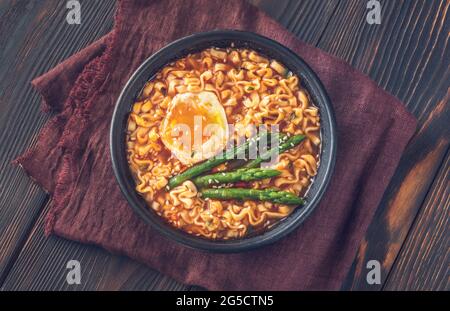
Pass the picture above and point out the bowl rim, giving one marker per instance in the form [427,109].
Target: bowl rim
[290,223]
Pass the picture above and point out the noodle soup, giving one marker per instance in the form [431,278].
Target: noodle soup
[182,176]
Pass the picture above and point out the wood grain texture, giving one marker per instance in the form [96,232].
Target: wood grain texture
[403,198]
[306,19]
[42,262]
[423,262]
[42,266]
[34,37]
[408,55]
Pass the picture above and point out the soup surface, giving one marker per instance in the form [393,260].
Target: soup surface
[215,101]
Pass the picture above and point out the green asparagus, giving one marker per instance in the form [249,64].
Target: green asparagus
[291,142]
[271,195]
[215,161]
[235,176]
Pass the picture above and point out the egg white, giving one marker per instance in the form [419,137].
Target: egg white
[205,106]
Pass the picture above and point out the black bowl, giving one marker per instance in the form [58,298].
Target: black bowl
[195,43]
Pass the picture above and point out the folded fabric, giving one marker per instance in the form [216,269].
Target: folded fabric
[71,157]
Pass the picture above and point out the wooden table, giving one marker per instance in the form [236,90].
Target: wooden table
[407,54]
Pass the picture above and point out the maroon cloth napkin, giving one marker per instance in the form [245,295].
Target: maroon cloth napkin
[71,158]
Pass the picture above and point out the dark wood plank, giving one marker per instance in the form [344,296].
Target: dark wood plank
[34,37]
[408,55]
[42,266]
[41,263]
[423,263]
[307,19]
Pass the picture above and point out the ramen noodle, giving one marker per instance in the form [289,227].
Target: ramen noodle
[239,87]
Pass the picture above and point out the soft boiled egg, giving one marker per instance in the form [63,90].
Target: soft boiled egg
[195,127]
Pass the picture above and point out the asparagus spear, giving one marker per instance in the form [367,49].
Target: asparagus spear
[235,176]
[271,195]
[291,142]
[215,161]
